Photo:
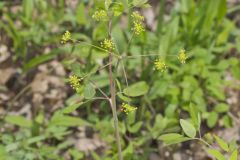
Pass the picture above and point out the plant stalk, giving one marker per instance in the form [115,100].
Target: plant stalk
[113,98]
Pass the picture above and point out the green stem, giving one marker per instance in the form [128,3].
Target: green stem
[146,55]
[201,140]
[113,99]
[102,49]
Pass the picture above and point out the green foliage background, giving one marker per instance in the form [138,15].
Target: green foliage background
[202,28]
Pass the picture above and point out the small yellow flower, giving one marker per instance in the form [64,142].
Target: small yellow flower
[182,56]
[137,17]
[66,37]
[100,15]
[128,108]
[108,44]
[160,65]
[138,27]
[75,82]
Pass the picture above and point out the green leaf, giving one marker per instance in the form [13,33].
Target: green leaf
[131,117]
[215,153]
[221,143]
[39,59]
[159,125]
[107,4]
[195,116]
[170,136]
[139,3]
[76,154]
[221,108]
[2,4]
[124,98]
[137,89]
[71,108]
[68,121]
[28,8]
[40,118]
[118,9]
[188,128]
[89,91]
[80,14]
[146,5]
[212,119]
[19,121]
[3,153]
[173,138]
[128,151]
[36,139]
[227,121]
[135,128]
[76,69]
[235,70]
[234,155]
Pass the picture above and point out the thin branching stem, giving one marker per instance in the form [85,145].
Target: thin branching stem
[97,47]
[98,88]
[206,143]
[113,98]
[124,73]
[101,68]
[145,55]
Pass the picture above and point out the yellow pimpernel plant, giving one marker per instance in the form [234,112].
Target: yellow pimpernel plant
[128,108]
[182,56]
[108,44]
[66,37]
[137,17]
[138,26]
[74,82]
[100,15]
[160,65]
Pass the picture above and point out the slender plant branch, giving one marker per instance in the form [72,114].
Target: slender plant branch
[236,119]
[145,55]
[100,48]
[201,140]
[101,68]
[113,97]
[100,98]
[129,43]
[98,88]
[124,73]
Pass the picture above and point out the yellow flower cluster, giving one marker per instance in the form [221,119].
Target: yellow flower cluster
[75,82]
[108,44]
[137,17]
[128,108]
[138,26]
[160,65]
[100,15]
[66,37]
[182,56]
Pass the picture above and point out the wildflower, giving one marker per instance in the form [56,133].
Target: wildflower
[137,17]
[160,65]
[107,44]
[75,82]
[138,27]
[66,37]
[182,56]
[100,15]
[128,108]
